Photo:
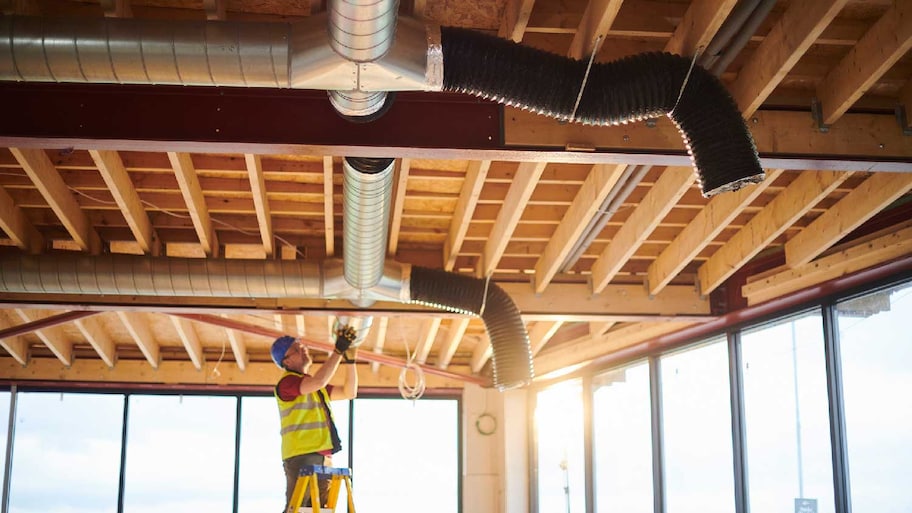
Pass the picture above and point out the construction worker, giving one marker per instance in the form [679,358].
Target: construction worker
[309,435]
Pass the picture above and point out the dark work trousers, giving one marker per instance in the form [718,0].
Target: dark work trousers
[293,469]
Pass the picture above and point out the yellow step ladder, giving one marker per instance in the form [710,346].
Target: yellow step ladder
[307,481]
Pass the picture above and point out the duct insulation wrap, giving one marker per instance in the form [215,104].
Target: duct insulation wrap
[159,276]
[511,356]
[367,189]
[631,89]
[128,51]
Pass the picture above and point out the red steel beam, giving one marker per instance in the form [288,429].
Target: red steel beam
[368,356]
[47,322]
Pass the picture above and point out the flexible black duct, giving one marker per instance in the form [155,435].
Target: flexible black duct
[511,356]
[633,88]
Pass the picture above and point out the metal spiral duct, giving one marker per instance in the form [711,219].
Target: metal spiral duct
[367,186]
[159,276]
[127,51]
[630,89]
[511,355]
[362,30]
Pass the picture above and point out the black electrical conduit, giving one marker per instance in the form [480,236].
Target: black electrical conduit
[633,88]
[511,356]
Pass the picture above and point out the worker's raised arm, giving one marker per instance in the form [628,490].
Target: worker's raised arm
[349,389]
[321,378]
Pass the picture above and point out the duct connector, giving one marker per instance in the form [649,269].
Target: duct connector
[137,276]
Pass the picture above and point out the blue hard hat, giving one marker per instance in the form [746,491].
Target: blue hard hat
[280,347]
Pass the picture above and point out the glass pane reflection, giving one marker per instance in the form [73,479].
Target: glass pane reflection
[561,465]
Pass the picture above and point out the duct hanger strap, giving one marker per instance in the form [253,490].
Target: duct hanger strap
[579,96]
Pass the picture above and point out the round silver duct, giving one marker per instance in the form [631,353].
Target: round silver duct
[362,30]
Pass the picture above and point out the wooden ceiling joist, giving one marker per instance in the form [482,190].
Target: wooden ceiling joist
[328,206]
[118,181]
[397,204]
[454,335]
[260,201]
[795,31]
[599,183]
[515,19]
[465,208]
[859,255]
[481,354]
[238,348]
[53,337]
[699,25]
[886,41]
[116,8]
[100,340]
[873,195]
[666,192]
[15,345]
[702,230]
[426,338]
[47,179]
[17,226]
[138,327]
[189,338]
[597,19]
[377,338]
[540,333]
[787,207]
[524,183]
[195,202]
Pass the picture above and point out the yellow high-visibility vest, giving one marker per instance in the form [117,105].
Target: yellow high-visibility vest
[305,424]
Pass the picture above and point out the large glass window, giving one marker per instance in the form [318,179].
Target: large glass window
[180,454]
[261,485]
[559,434]
[67,453]
[786,415]
[699,475]
[622,441]
[877,384]
[406,455]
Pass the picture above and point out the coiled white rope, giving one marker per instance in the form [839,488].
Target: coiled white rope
[408,390]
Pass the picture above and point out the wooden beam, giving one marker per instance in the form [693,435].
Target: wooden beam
[540,333]
[784,139]
[53,337]
[786,208]
[481,354]
[797,29]
[855,257]
[524,182]
[451,342]
[264,374]
[328,203]
[700,24]
[588,348]
[378,336]
[600,181]
[98,338]
[856,207]
[465,208]
[138,327]
[398,203]
[215,9]
[238,348]
[260,201]
[429,328]
[703,229]
[17,226]
[664,195]
[196,203]
[905,99]
[47,180]
[597,329]
[515,18]
[597,19]
[116,8]
[16,346]
[190,339]
[876,52]
[115,175]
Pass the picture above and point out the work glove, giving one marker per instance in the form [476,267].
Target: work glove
[345,336]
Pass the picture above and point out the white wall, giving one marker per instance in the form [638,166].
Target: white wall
[495,467]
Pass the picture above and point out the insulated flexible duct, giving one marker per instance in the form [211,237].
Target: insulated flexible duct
[630,89]
[511,354]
